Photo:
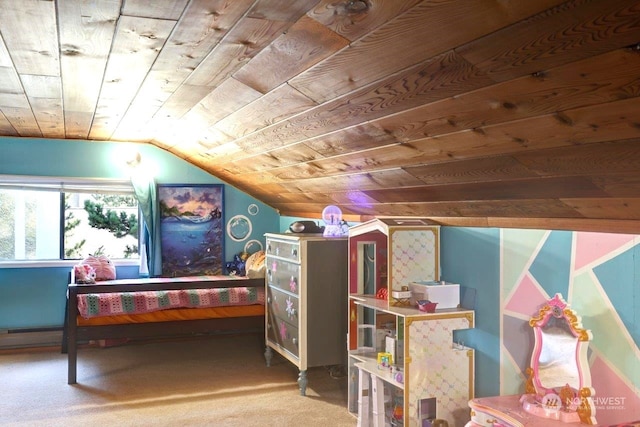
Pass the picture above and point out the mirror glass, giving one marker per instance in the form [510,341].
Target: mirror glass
[367,286]
[557,365]
[369,268]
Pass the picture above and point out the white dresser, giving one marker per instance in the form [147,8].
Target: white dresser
[306,286]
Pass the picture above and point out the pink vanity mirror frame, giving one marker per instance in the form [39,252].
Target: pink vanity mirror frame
[574,405]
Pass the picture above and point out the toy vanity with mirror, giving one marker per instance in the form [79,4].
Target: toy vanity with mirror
[558,390]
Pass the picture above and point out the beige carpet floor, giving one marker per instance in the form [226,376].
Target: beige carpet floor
[208,381]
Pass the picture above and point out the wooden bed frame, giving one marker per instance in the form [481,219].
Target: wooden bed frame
[74,334]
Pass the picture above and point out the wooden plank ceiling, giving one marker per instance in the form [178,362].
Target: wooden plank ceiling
[503,113]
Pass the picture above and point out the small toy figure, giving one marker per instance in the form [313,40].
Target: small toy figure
[398,411]
[84,274]
[237,266]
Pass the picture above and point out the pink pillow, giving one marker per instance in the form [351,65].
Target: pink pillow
[104,268]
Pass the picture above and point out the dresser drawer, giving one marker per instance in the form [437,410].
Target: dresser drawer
[282,305]
[283,274]
[283,334]
[283,249]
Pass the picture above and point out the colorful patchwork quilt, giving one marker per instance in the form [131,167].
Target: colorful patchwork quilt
[108,304]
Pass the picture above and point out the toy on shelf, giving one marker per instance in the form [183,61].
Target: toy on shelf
[383,293]
[427,306]
[334,225]
[402,297]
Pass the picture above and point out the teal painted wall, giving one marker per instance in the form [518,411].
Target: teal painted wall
[515,271]
[35,297]
[286,221]
[471,257]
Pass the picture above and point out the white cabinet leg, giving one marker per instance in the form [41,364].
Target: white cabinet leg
[363,398]
[377,398]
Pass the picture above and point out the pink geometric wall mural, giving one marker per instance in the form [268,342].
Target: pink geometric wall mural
[518,341]
[526,297]
[598,277]
[614,398]
[591,247]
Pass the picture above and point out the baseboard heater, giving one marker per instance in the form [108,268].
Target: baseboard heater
[30,337]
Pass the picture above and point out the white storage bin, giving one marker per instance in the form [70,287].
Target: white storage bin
[447,295]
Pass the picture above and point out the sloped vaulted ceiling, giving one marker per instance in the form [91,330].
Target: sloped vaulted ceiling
[475,112]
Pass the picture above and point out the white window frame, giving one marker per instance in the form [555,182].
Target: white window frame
[66,185]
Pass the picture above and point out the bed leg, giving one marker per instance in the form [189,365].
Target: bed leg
[65,332]
[71,339]
[72,362]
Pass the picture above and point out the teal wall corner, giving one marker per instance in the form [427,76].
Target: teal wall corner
[471,257]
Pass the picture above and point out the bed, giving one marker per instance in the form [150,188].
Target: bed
[160,307]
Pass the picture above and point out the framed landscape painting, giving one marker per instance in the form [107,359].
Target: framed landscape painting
[191,229]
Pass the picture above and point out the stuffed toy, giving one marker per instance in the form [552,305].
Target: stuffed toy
[236,267]
[83,273]
[255,265]
[104,268]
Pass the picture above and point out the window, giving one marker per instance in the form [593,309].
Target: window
[67,219]
[99,224]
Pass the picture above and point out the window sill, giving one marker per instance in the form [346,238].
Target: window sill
[61,263]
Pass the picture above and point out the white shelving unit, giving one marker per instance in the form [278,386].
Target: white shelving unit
[431,376]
